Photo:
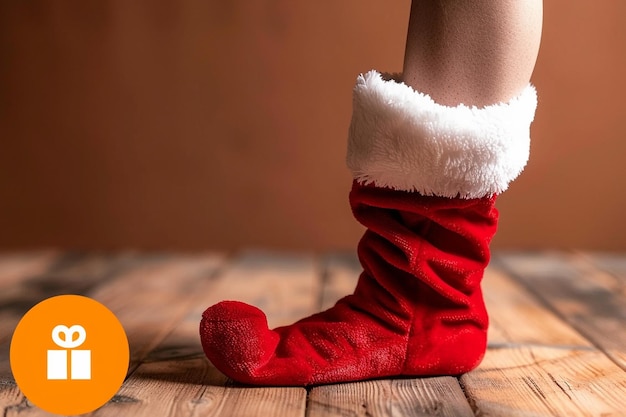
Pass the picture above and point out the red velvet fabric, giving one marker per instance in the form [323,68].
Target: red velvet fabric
[417,308]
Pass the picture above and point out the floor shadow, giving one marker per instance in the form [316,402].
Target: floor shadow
[73,273]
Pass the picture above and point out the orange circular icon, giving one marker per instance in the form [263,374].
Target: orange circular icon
[69,355]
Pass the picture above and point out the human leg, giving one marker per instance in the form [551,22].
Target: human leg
[472,52]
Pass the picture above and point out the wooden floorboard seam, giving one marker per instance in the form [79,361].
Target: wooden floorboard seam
[545,302]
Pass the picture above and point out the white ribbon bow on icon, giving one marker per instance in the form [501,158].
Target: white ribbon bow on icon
[68,341]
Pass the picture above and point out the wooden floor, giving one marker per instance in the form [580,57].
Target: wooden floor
[557,337]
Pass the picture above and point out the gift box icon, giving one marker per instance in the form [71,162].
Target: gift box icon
[79,360]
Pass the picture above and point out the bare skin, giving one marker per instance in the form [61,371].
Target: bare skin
[475,52]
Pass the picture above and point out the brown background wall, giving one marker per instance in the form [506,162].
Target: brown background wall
[221,124]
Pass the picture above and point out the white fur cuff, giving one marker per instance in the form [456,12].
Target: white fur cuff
[401,139]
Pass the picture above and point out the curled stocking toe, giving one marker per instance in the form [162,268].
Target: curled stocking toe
[235,338]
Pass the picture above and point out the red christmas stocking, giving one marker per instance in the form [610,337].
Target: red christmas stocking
[426,177]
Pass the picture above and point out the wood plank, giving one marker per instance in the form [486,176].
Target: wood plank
[164,388]
[538,365]
[177,379]
[51,274]
[340,275]
[614,280]
[285,285]
[294,284]
[18,266]
[613,264]
[148,299]
[62,274]
[546,381]
[250,402]
[152,298]
[193,387]
[390,397]
[588,298]
[15,268]
[516,317]
[398,397]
